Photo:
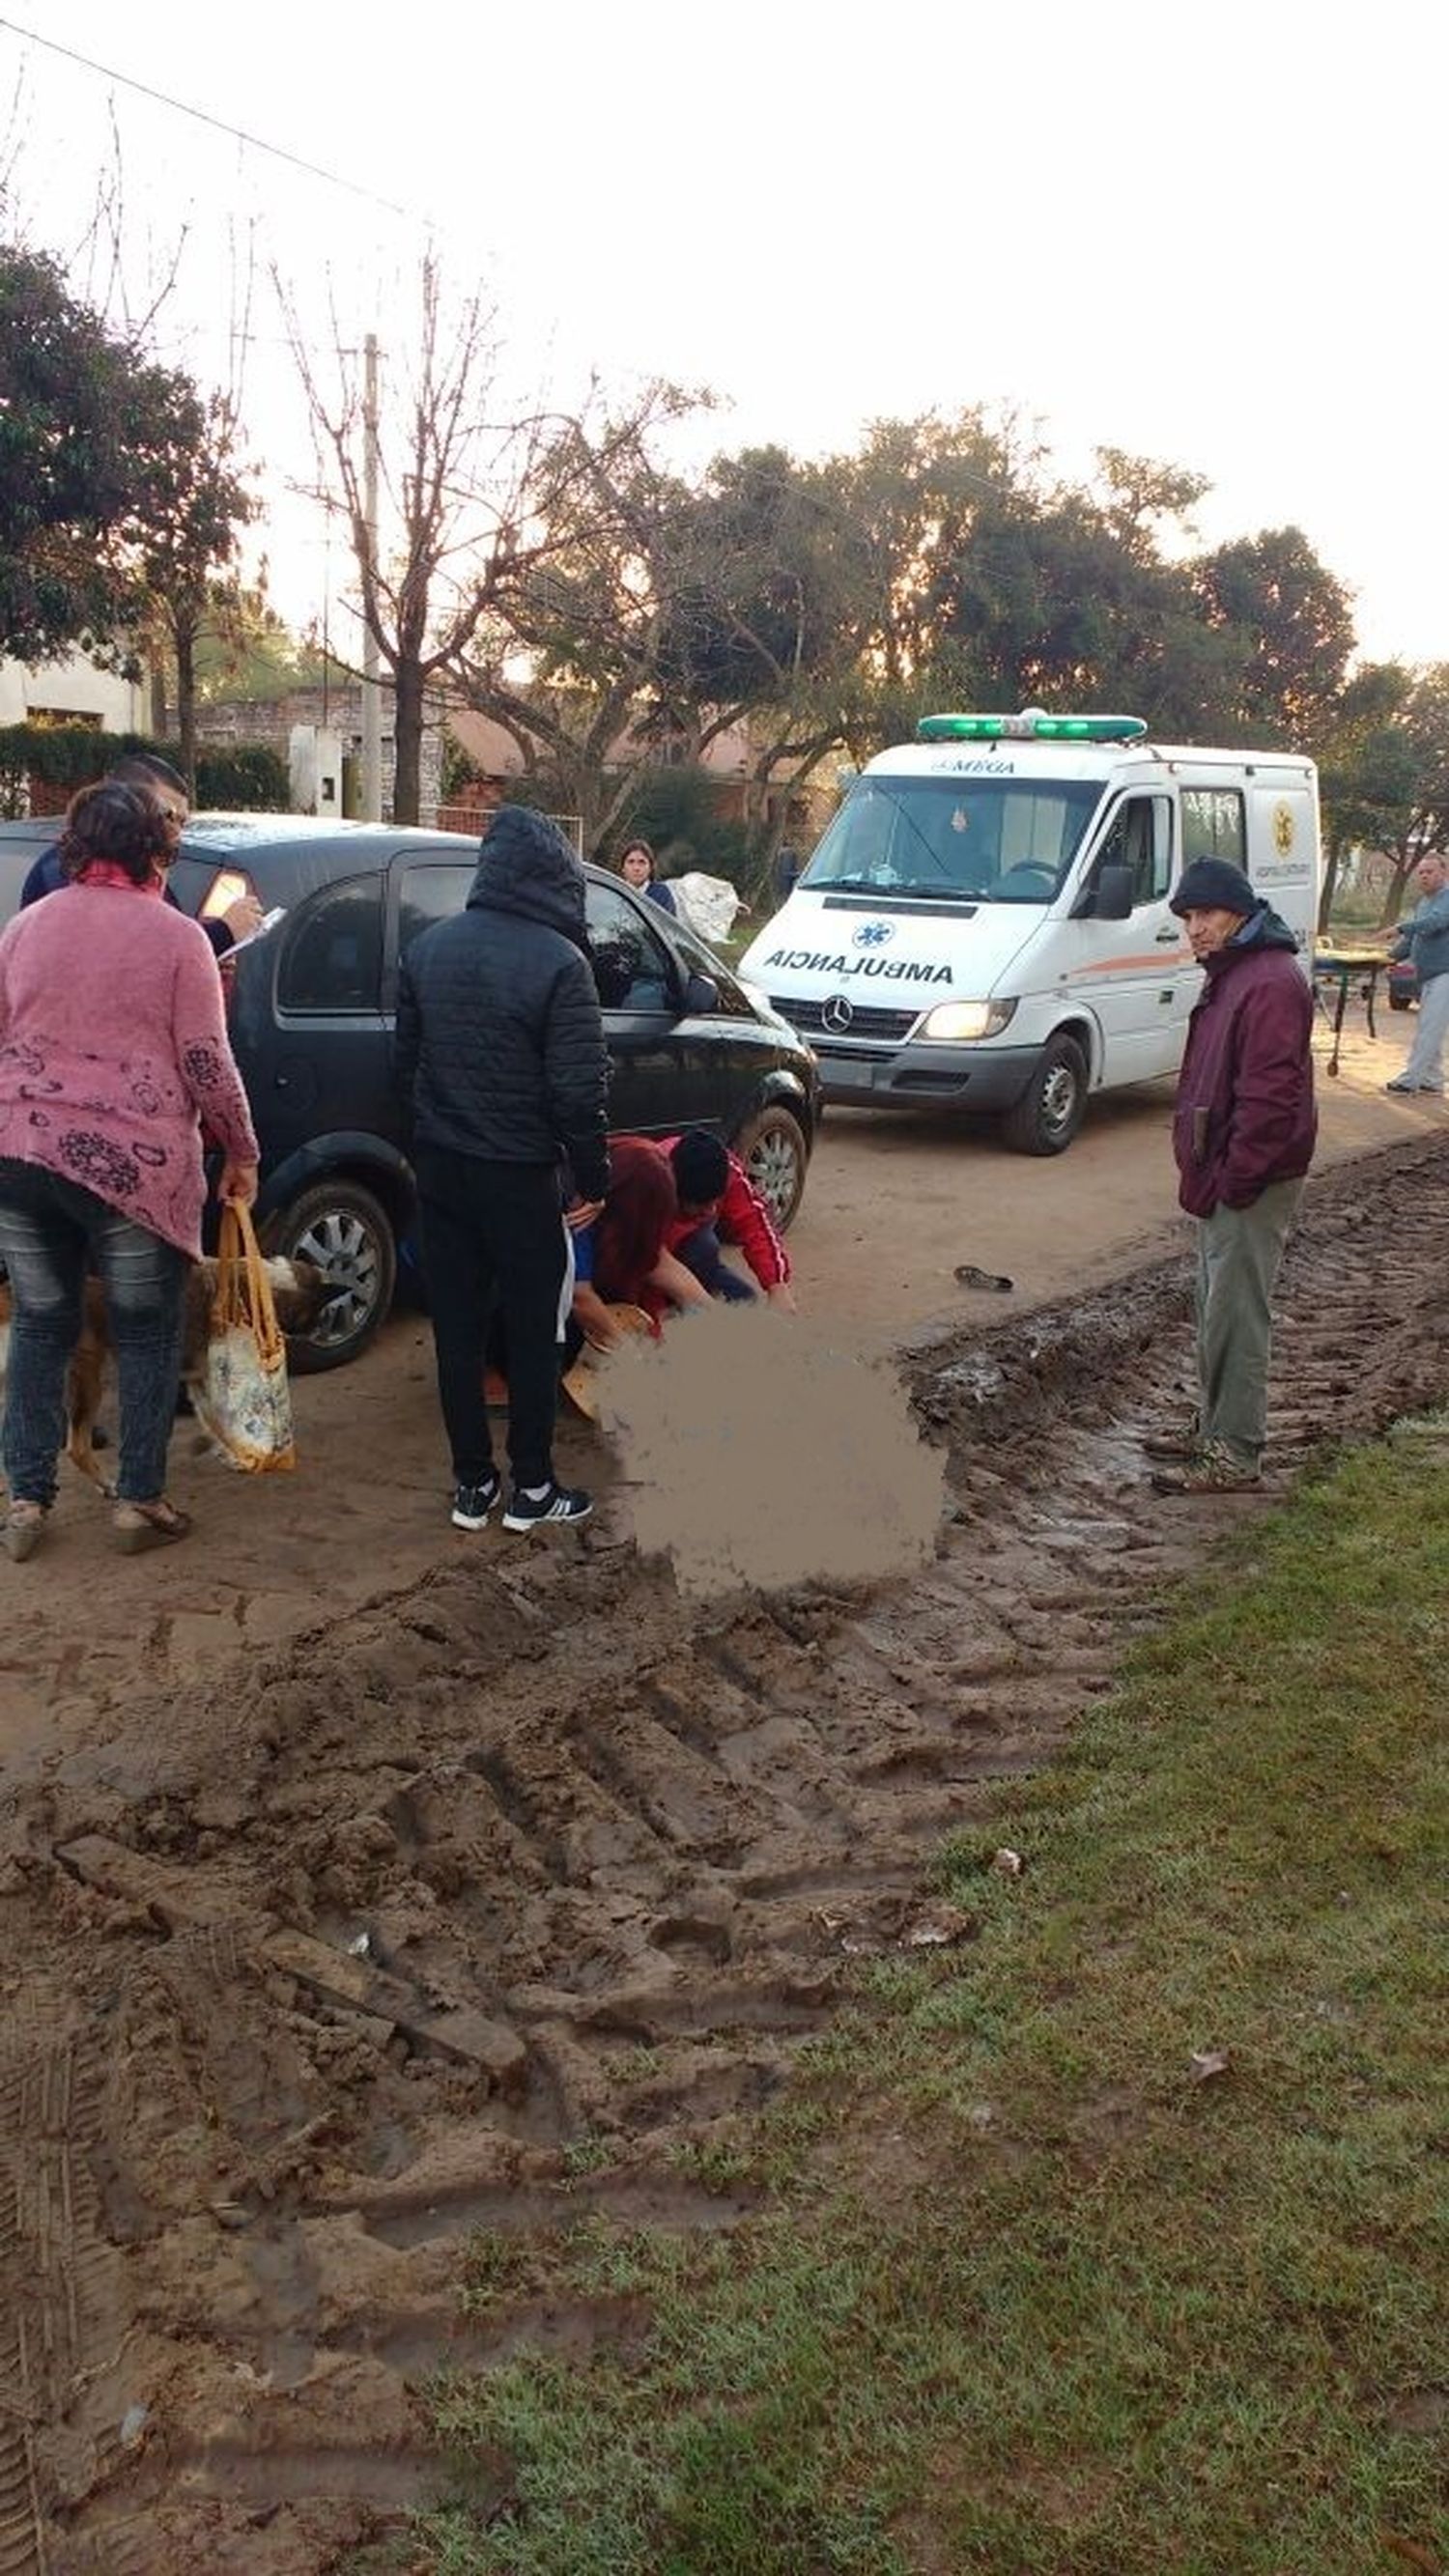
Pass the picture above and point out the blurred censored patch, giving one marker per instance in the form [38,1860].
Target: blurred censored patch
[759,1455]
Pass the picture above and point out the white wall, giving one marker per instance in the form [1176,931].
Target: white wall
[72,688]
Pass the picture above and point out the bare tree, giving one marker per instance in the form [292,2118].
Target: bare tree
[453,494]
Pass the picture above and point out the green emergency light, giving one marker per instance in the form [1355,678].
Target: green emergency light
[1030,726]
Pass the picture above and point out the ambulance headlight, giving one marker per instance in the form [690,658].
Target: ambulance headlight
[966,1020]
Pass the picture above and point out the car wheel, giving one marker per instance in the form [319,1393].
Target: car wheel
[347,1232]
[772,1147]
[1050,1110]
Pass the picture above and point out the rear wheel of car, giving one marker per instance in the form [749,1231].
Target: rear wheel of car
[772,1147]
[348,1234]
[1050,1110]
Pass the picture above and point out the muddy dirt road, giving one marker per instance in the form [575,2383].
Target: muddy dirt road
[350,1878]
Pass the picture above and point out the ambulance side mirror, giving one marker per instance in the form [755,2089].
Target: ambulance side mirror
[1108,897]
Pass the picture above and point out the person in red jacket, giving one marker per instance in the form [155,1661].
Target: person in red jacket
[719,1204]
[1243,1135]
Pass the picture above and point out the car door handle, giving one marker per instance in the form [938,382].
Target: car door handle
[1168,938]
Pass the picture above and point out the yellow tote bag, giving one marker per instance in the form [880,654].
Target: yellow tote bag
[244,1401]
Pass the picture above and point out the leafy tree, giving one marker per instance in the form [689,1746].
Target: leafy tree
[186,550]
[89,432]
[1294,620]
[1386,770]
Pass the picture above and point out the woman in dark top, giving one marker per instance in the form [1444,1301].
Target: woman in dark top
[637,868]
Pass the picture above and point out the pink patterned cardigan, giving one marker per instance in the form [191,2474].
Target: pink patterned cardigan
[114,1054]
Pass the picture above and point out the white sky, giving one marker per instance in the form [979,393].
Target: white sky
[1205,235]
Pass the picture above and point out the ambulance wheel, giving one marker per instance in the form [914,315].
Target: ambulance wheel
[1049,1112]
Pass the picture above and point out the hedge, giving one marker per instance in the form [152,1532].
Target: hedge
[249,776]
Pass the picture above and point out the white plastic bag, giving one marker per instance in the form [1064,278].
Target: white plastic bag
[244,1401]
[707,905]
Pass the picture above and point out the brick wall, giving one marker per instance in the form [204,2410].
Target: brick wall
[249,720]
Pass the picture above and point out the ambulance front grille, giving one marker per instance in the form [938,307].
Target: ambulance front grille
[809,1018]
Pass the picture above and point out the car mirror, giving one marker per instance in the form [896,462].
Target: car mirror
[701,996]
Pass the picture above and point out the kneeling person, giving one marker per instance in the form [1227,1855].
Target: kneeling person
[719,1204]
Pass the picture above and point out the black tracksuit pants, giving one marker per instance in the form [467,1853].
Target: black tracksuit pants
[493,1239]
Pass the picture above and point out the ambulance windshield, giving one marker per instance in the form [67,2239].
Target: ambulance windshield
[962,840]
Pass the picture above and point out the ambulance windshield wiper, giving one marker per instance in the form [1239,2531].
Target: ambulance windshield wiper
[887,893]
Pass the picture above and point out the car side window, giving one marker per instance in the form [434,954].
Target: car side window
[332,954]
[631,965]
[1213,825]
[429,894]
[1140,839]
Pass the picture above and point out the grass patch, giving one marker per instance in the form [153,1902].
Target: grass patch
[1027,2291]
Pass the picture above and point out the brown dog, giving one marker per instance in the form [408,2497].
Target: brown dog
[299,1290]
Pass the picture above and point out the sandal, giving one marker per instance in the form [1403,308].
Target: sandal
[20,1532]
[139,1526]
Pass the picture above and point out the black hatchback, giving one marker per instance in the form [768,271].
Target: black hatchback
[311,1018]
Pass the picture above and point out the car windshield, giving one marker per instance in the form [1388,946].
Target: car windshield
[962,840]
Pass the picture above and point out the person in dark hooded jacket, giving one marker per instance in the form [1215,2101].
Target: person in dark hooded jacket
[500,1056]
[1243,1135]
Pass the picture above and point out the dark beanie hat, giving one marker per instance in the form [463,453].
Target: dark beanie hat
[1214,885]
[701,1168]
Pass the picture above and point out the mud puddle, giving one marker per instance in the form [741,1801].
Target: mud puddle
[465,1914]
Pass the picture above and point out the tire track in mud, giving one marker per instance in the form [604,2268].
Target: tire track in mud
[463,1914]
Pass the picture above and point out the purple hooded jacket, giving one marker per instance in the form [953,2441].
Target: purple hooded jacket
[1245,1113]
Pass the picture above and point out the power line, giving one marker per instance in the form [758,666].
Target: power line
[254,142]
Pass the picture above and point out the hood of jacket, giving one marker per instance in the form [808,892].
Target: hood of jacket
[1264,928]
[526,867]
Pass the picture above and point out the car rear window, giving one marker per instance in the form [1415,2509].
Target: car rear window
[332,950]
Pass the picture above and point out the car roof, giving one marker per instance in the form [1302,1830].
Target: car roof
[244,838]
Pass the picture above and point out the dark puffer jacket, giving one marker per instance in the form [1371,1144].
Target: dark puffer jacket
[1245,1113]
[499,1049]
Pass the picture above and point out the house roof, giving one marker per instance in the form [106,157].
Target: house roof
[492,751]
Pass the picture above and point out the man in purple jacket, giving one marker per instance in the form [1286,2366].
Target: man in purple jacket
[1243,1135]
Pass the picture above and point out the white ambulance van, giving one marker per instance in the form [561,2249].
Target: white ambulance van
[985,924]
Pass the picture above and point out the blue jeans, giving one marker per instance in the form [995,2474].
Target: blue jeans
[52,1233]
[702,1253]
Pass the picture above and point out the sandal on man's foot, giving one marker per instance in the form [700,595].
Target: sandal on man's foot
[141,1525]
[21,1529]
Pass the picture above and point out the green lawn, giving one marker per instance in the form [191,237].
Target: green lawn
[1026,2290]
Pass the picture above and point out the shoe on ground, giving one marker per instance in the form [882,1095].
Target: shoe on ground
[1174,1440]
[141,1526]
[22,1529]
[1435,1089]
[556,1504]
[1214,1470]
[473,1503]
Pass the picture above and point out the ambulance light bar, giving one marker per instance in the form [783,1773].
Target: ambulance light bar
[1030,726]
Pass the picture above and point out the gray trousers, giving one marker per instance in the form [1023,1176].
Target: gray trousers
[1425,1067]
[1238,1255]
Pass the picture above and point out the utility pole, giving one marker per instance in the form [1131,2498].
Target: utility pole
[371,664]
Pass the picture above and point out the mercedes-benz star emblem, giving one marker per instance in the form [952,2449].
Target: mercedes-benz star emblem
[836,1014]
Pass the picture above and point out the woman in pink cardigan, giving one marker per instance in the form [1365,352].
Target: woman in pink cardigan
[113,1054]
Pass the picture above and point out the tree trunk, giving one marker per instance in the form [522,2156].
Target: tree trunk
[407,741]
[186,703]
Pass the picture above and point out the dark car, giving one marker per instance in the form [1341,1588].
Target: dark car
[311,1017]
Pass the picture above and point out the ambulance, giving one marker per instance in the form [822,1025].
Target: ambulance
[985,924]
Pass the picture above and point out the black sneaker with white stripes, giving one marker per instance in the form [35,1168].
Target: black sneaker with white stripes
[555,1503]
[473,1503]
